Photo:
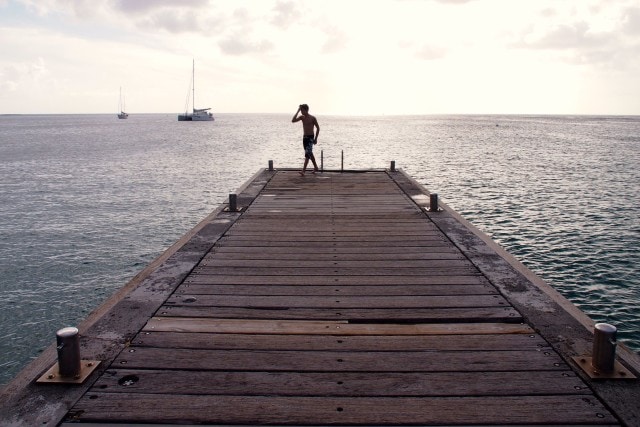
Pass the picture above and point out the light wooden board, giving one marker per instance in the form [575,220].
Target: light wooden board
[337,327]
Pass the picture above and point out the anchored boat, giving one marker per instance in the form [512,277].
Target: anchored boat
[121,107]
[198,114]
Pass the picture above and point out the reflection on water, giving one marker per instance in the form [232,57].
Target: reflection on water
[86,202]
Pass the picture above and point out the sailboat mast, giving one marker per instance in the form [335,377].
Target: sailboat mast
[193,80]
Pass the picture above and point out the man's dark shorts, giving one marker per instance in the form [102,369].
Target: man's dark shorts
[307,143]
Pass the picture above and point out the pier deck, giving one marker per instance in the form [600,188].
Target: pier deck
[337,298]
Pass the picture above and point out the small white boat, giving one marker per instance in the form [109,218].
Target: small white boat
[121,107]
[198,114]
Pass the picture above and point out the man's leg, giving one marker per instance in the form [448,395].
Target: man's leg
[304,167]
[315,165]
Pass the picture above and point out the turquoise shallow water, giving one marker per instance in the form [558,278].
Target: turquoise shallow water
[87,201]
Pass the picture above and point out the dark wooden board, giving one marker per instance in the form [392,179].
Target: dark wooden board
[340,301]
[180,408]
[340,361]
[305,280]
[230,341]
[250,383]
[416,315]
[354,290]
[370,251]
[454,269]
[332,263]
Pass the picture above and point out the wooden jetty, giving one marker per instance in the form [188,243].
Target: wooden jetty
[340,298]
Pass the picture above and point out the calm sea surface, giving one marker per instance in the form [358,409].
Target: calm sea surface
[87,201]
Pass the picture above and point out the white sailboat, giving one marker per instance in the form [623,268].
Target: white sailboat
[121,107]
[198,114]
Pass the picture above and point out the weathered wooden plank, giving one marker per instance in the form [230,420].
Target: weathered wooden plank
[305,280]
[315,233]
[398,384]
[407,315]
[459,270]
[411,220]
[229,341]
[329,244]
[154,408]
[222,253]
[340,361]
[348,252]
[356,228]
[336,263]
[409,217]
[250,326]
[313,238]
[355,290]
[340,301]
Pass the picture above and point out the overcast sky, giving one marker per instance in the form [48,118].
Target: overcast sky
[339,56]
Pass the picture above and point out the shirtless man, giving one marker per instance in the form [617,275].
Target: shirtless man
[308,140]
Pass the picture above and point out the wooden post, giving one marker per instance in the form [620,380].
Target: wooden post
[342,161]
[321,160]
[270,165]
[393,166]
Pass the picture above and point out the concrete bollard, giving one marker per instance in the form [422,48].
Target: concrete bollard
[433,202]
[68,346]
[270,165]
[604,347]
[233,202]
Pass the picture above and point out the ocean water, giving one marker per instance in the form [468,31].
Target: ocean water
[87,201]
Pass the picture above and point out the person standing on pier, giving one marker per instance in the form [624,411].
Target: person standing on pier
[309,122]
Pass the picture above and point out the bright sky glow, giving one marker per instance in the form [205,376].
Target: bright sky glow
[339,56]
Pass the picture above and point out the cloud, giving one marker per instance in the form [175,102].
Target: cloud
[236,45]
[574,35]
[336,40]
[431,53]
[173,21]
[146,6]
[285,14]
[9,76]
[13,76]
[454,1]
[631,21]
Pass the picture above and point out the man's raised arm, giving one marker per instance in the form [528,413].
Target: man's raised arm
[295,116]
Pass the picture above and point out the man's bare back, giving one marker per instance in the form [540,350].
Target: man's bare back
[308,122]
